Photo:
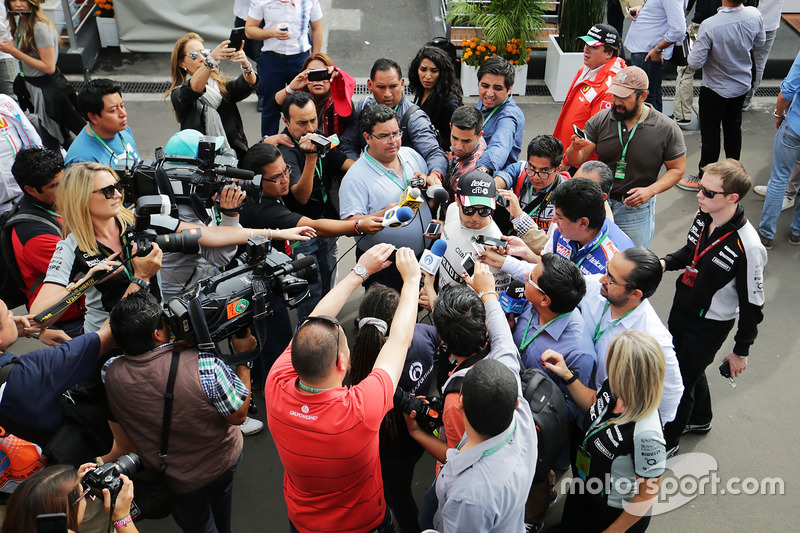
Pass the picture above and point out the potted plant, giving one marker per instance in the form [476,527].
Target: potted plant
[507,26]
[565,52]
[106,24]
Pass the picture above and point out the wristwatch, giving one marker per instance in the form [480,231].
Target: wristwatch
[361,270]
[573,378]
[210,63]
[142,283]
[659,50]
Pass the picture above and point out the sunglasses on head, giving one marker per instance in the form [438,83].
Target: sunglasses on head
[325,319]
[710,194]
[108,190]
[482,211]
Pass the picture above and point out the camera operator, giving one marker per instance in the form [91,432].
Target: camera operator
[60,489]
[314,191]
[210,401]
[327,434]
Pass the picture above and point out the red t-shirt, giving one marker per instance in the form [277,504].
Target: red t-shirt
[328,444]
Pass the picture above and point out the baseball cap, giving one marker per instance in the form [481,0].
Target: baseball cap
[512,300]
[601,34]
[185,142]
[627,81]
[477,188]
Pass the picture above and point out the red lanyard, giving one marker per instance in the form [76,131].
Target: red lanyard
[696,257]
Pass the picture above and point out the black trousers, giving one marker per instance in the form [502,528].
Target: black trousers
[696,342]
[716,110]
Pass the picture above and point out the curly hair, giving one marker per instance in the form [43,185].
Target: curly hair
[447,86]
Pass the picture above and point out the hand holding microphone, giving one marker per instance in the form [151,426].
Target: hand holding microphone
[397,217]
[411,198]
[431,259]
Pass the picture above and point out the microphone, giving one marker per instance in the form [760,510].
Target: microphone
[398,216]
[411,198]
[440,194]
[431,259]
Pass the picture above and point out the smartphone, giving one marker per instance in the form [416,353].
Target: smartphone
[319,74]
[579,132]
[492,241]
[476,245]
[468,264]
[51,523]
[501,200]
[236,38]
[433,229]
[725,370]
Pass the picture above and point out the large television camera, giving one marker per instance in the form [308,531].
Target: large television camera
[234,300]
[185,180]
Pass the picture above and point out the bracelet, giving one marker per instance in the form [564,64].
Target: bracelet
[142,283]
[288,90]
[484,293]
[269,235]
[358,228]
[572,379]
[776,115]
[211,63]
[122,522]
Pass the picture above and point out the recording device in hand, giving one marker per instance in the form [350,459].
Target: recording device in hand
[434,229]
[579,132]
[491,241]
[106,476]
[324,144]
[236,38]
[319,74]
[397,217]
[429,415]
[51,523]
[432,259]
[468,264]
[187,241]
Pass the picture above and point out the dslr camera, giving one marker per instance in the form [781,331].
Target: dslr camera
[107,476]
[429,415]
[186,241]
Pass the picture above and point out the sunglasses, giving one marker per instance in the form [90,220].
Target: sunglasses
[710,194]
[85,493]
[327,320]
[194,54]
[109,190]
[482,211]
[537,287]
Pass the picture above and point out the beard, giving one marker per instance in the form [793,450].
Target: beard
[626,115]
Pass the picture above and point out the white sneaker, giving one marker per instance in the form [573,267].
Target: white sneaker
[760,190]
[251,426]
[788,203]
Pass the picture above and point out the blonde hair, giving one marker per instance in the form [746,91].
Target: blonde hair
[74,192]
[179,75]
[27,41]
[636,369]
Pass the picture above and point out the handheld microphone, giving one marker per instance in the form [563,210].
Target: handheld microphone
[431,259]
[411,198]
[398,216]
[440,194]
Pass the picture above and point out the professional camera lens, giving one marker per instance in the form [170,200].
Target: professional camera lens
[128,464]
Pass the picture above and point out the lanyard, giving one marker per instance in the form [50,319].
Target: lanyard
[527,340]
[590,433]
[597,332]
[619,130]
[318,172]
[110,151]
[697,257]
[48,211]
[306,388]
[590,250]
[388,174]
[487,119]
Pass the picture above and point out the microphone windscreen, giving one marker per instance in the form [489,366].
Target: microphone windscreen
[404,214]
[439,247]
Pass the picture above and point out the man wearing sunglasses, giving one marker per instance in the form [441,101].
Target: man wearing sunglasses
[468,218]
[327,434]
[723,276]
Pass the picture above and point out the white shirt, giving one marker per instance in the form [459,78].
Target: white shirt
[16,133]
[658,20]
[771,11]
[643,318]
[5,32]
[241,8]
[297,13]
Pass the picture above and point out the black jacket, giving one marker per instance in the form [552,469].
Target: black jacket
[191,111]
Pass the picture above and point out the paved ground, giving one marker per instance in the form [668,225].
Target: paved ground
[754,433]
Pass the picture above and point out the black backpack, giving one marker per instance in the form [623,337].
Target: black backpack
[11,282]
[550,414]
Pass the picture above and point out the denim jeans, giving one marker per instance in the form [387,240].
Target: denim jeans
[654,71]
[324,250]
[207,509]
[638,223]
[784,155]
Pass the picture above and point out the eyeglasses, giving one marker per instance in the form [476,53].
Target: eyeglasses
[85,493]
[482,211]
[385,137]
[542,174]
[537,287]
[327,320]
[194,54]
[710,194]
[281,175]
[613,281]
[109,190]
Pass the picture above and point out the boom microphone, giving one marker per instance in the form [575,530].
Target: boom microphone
[398,216]
[431,259]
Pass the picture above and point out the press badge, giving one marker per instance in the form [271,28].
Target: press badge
[582,461]
[689,275]
[619,171]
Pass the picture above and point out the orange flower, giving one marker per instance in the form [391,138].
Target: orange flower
[464,42]
[472,45]
[485,58]
[513,61]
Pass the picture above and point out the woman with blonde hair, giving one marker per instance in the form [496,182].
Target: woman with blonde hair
[333,97]
[60,489]
[98,236]
[623,451]
[203,99]
[40,87]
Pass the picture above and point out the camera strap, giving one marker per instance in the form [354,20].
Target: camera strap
[169,396]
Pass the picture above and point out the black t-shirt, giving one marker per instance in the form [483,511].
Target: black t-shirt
[331,165]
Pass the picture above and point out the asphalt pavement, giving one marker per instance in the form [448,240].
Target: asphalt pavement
[754,429]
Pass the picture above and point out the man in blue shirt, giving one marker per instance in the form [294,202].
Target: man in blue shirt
[503,120]
[584,235]
[106,138]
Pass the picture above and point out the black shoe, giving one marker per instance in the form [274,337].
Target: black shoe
[699,429]
[672,451]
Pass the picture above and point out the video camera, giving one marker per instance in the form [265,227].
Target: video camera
[185,180]
[242,296]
